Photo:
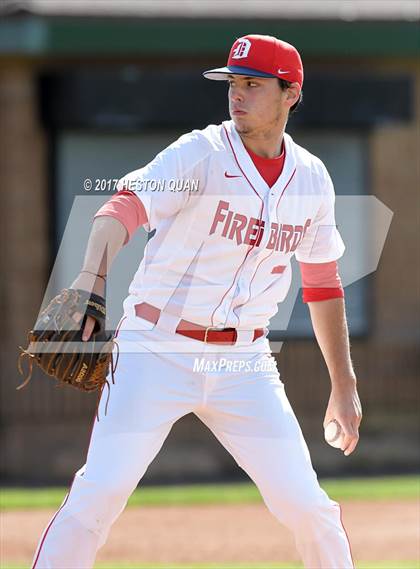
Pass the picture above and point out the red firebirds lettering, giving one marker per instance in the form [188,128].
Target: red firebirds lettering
[249,231]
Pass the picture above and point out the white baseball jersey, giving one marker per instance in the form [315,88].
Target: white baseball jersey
[224,239]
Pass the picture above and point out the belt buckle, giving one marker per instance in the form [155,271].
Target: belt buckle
[207,331]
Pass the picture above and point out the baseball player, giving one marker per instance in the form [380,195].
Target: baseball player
[230,205]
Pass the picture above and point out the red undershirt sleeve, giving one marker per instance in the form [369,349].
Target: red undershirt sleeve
[320,281]
[127,208]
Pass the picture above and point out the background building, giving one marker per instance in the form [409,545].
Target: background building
[94,90]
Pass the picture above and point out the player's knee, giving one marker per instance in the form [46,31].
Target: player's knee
[299,508]
[96,504]
[310,509]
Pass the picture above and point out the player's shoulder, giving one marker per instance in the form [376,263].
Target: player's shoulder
[207,139]
[189,152]
[307,162]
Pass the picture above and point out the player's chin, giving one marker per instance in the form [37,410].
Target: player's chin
[241,123]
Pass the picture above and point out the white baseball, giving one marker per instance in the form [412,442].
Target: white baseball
[333,434]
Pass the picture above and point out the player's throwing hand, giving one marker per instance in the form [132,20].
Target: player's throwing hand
[344,407]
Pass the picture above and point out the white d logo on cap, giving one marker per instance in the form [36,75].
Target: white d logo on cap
[242,49]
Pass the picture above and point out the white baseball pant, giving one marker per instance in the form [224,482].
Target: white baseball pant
[248,412]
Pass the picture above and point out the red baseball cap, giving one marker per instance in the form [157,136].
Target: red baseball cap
[261,56]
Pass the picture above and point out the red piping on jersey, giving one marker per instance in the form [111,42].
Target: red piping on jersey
[259,219]
[239,166]
[271,252]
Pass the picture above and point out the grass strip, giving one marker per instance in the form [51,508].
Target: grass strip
[368,489]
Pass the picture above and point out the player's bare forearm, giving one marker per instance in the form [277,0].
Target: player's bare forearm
[105,241]
[330,327]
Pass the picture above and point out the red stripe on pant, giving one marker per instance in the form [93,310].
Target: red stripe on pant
[71,485]
[348,541]
[51,523]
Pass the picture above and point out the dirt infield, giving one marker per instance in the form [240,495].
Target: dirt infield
[383,530]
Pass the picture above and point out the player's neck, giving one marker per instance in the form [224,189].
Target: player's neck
[266,145]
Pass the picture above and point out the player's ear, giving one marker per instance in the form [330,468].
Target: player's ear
[293,93]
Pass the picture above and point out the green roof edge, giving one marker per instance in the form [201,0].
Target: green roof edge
[35,36]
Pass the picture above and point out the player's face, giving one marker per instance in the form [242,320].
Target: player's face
[257,105]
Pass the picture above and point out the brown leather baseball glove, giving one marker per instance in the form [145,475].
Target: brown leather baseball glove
[56,345]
